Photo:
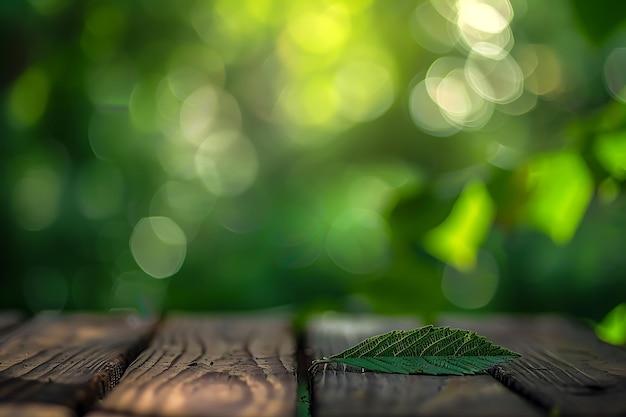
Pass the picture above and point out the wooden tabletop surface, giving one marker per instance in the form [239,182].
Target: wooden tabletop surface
[106,365]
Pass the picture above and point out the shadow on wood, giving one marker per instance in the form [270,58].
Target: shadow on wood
[27,397]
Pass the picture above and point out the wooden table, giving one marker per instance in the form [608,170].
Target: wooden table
[122,365]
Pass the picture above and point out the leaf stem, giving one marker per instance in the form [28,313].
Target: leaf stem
[317,362]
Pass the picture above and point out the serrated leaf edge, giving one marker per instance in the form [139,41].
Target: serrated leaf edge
[342,357]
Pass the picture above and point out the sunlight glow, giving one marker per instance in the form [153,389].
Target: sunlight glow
[320,31]
[483,16]
[314,101]
[484,26]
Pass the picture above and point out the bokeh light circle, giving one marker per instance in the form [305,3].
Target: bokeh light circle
[36,198]
[319,30]
[358,241]
[485,17]
[499,81]
[473,288]
[432,30]
[138,291]
[227,163]
[484,26]
[188,204]
[198,112]
[615,74]
[426,114]
[542,69]
[244,213]
[365,89]
[458,102]
[159,246]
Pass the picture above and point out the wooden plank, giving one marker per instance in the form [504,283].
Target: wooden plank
[60,365]
[211,366]
[348,392]
[12,409]
[564,368]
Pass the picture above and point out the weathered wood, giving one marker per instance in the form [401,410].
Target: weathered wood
[60,365]
[564,368]
[203,366]
[34,410]
[346,392]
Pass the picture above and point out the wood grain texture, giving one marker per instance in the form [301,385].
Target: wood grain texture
[60,365]
[349,392]
[203,366]
[564,368]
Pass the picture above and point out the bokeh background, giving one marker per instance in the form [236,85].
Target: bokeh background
[393,156]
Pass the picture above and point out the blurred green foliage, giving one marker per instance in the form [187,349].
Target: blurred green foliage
[365,155]
[612,328]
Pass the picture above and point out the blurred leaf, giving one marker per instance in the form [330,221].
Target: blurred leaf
[612,328]
[608,190]
[610,149]
[561,188]
[458,238]
[28,98]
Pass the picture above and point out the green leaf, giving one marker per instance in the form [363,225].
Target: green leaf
[425,350]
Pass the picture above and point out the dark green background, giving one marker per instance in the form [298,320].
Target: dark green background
[88,49]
